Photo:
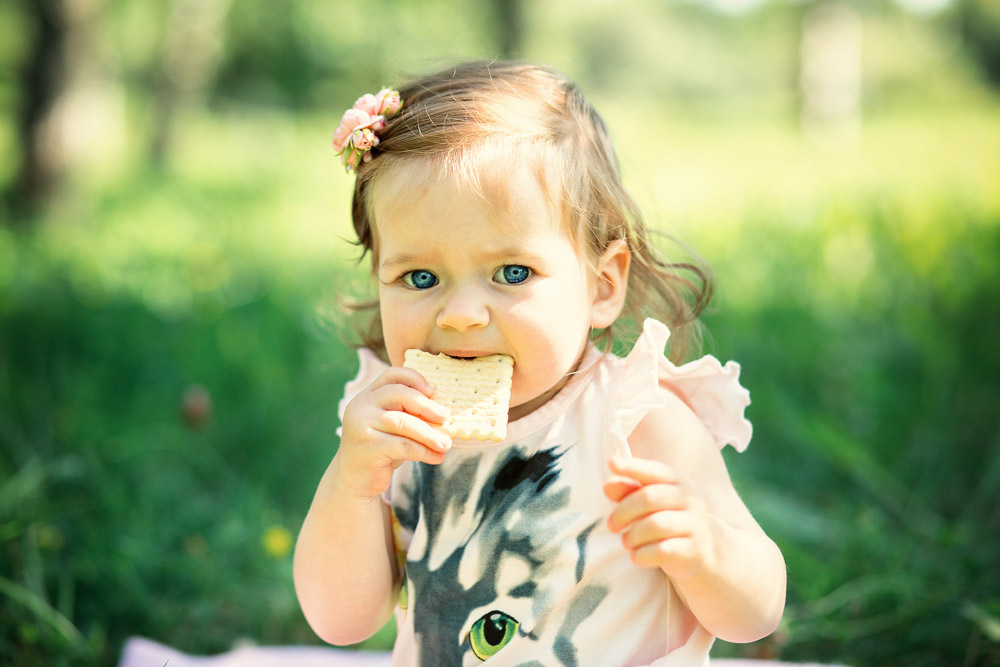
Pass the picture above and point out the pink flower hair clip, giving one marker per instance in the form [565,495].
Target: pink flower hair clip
[356,136]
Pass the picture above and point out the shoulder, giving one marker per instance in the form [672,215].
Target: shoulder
[672,433]
[710,391]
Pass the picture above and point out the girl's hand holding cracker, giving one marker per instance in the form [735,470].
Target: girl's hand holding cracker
[662,522]
[391,421]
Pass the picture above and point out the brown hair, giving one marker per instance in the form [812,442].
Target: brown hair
[528,112]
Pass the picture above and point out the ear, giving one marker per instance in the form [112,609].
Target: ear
[610,282]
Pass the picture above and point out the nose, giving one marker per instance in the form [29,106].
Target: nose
[463,308]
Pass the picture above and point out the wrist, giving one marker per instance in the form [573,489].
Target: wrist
[745,569]
[343,483]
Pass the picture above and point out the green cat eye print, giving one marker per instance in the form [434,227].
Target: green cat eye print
[492,632]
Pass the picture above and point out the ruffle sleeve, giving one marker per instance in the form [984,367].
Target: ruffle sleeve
[711,390]
[370,367]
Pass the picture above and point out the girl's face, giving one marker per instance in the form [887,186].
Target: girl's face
[469,276]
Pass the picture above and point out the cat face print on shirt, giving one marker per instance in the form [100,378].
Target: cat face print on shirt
[496,565]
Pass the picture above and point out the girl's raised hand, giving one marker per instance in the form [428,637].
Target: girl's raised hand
[662,522]
[387,423]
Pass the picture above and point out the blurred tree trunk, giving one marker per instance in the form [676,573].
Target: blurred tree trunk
[981,30]
[42,80]
[830,70]
[190,57]
[510,27]
[62,114]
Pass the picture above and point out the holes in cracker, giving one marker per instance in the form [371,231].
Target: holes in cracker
[477,399]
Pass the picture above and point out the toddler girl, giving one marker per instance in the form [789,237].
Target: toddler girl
[604,530]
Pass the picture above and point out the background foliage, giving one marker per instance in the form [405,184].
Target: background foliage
[173,230]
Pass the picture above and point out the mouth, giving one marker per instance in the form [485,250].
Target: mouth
[466,355]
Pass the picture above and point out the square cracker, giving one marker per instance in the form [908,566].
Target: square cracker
[476,391]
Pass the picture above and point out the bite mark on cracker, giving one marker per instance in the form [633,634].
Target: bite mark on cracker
[476,391]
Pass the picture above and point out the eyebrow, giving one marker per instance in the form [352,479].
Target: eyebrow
[401,259]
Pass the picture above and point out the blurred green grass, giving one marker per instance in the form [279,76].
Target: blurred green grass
[859,286]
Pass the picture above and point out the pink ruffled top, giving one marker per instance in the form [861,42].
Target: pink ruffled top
[506,546]
[712,390]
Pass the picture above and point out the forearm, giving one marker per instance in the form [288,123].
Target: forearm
[345,573]
[739,596]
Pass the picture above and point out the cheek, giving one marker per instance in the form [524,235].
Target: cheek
[547,344]
[395,327]
[560,313]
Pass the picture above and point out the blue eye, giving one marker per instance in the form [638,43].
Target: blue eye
[512,274]
[420,279]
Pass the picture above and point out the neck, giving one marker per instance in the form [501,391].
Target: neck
[524,409]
